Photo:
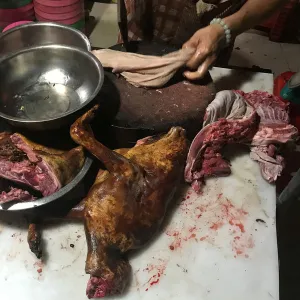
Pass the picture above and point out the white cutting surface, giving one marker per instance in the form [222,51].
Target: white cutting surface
[213,246]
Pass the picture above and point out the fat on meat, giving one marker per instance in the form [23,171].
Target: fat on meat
[272,129]
[144,70]
[227,104]
[270,162]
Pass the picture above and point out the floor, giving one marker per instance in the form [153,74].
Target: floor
[252,48]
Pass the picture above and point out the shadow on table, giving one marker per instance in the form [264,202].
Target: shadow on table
[288,231]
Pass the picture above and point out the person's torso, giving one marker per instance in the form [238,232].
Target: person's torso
[174,21]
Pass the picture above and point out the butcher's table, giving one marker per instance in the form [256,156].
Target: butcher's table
[217,245]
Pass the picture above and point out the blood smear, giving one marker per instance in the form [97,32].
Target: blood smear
[157,270]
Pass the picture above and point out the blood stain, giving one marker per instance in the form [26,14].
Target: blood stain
[192,229]
[192,236]
[154,282]
[238,224]
[158,270]
[216,226]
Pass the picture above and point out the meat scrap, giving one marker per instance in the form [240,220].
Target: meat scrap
[15,194]
[274,129]
[43,169]
[262,123]
[144,70]
[127,203]
[205,158]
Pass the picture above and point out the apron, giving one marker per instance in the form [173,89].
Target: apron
[174,21]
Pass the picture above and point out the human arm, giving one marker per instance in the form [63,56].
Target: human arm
[209,41]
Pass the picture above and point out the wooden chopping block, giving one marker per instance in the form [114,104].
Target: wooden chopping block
[141,112]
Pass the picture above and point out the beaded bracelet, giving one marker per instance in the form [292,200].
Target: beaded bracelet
[225,27]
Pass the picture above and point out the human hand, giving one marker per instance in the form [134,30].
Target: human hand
[207,43]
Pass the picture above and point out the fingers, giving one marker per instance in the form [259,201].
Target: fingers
[202,70]
[197,59]
[198,56]
[191,43]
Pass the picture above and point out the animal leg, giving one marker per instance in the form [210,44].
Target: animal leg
[77,212]
[34,239]
[82,134]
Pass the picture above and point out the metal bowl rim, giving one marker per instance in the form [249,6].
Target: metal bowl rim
[90,55]
[52,24]
[57,195]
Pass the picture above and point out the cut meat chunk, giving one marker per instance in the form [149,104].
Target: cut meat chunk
[205,157]
[270,108]
[15,194]
[274,128]
[44,169]
[271,164]
[274,133]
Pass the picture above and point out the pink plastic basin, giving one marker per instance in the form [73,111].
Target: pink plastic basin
[57,3]
[58,9]
[65,21]
[4,24]
[59,16]
[15,25]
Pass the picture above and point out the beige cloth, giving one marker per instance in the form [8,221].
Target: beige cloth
[144,70]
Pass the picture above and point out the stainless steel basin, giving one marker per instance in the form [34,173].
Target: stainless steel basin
[39,34]
[45,87]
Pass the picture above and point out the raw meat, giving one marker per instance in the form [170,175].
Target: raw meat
[15,194]
[127,203]
[144,70]
[206,160]
[44,169]
[269,107]
[274,128]
[271,163]
[274,133]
